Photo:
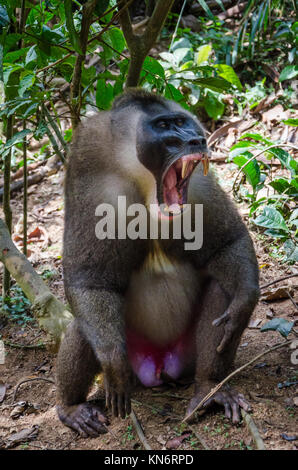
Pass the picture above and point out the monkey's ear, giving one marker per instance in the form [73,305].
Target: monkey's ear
[139,96]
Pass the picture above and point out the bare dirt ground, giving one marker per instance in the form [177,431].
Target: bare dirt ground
[159,410]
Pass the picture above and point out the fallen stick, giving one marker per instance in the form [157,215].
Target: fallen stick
[278,280]
[253,430]
[139,430]
[30,379]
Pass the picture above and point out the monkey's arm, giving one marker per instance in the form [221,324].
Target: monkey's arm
[236,270]
[100,316]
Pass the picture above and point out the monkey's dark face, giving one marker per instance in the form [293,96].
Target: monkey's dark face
[170,144]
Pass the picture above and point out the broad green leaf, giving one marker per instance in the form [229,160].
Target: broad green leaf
[180,43]
[15,55]
[168,57]
[251,171]
[283,326]
[104,94]
[291,122]
[217,84]
[213,106]
[172,93]
[203,54]
[73,35]
[290,71]
[26,81]
[152,66]
[31,56]
[291,250]
[180,54]
[17,138]
[227,72]
[271,218]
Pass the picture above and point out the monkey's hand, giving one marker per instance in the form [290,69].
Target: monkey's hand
[231,400]
[117,380]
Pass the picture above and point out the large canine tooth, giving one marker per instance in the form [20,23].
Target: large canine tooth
[206,165]
[184,169]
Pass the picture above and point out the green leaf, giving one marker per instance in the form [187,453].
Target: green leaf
[283,326]
[104,94]
[203,54]
[73,35]
[172,93]
[251,171]
[17,138]
[26,81]
[31,56]
[180,54]
[4,18]
[213,83]
[15,55]
[206,9]
[291,250]
[213,106]
[291,122]
[290,71]
[153,66]
[227,72]
[271,218]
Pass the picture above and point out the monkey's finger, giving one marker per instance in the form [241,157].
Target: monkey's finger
[121,405]
[96,426]
[225,341]
[228,412]
[236,413]
[76,427]
[127,404]
[222,319]
[114,404]
[244,404]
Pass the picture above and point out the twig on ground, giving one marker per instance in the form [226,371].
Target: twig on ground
[235,372]
[139,430]
[24,346]
[31,379]
[251,425]
[278,280]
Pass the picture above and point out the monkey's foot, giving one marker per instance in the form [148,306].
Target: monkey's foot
[231,400]
[86,418]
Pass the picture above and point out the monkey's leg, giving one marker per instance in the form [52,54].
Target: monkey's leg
[76,368]
[211,366]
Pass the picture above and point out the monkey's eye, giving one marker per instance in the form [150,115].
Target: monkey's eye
[162,124]
[179,122]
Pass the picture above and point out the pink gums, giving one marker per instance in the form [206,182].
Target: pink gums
[148,360]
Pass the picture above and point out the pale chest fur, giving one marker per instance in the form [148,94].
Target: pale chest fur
[161,298]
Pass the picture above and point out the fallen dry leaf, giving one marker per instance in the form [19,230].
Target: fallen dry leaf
[25,435]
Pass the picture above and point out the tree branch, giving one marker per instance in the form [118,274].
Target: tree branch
[50,313]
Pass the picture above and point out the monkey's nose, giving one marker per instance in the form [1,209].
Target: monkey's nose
[198,141]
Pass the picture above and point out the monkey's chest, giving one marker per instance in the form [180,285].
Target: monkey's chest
[159,314]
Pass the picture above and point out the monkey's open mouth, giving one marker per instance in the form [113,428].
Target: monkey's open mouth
[175,182]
